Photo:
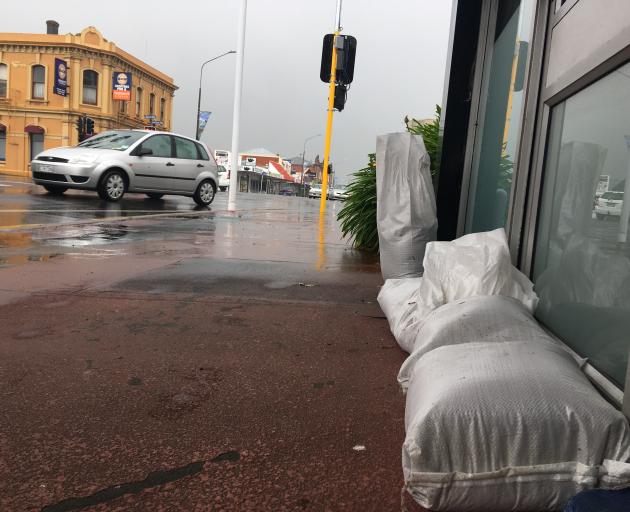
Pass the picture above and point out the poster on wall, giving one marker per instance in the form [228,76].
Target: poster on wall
[61,77]
[121,87]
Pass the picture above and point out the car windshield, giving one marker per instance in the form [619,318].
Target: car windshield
[618,196]
[117,140]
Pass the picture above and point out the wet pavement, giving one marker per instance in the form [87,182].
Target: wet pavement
[154,356]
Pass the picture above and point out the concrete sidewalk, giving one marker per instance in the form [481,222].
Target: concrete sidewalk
[218,362]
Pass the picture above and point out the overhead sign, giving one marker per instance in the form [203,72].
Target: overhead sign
[61,77]
[121,86]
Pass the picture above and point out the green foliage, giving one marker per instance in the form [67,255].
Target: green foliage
[358,215]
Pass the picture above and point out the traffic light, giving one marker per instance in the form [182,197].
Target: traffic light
[330,169]
[80,124]
[89,126]
[346,54]
[341,92]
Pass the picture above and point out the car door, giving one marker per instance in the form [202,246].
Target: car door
[155,171]
[188,164]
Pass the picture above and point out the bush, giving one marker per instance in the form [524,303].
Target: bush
[358,215]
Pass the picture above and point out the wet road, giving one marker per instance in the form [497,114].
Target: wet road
[158,357]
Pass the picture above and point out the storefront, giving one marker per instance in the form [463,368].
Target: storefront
[536,139]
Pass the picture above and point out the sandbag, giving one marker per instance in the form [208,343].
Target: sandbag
[510,426]
[405,206]
[475,264]
[398,299]
[490,319]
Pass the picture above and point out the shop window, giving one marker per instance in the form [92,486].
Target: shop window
[138,101]
[36,144]
[3,143]
[90,87]
[582,251]
[151,104]
[501,104]
[4,77]
[39,81]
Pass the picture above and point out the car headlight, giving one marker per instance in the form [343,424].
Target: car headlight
[84,158]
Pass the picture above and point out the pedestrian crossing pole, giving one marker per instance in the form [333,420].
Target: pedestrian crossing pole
[331,108]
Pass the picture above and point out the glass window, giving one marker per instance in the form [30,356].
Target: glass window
[203,152]
[151,104]
[3,146]
[36,143]
[162,108]
[582,251]
[160,144]
[186,149]
[4,76]
[90,87]
[39,78]
[500,109]
[119,140]
[138,101]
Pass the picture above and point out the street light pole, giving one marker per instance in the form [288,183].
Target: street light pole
[304,157]
[197,134]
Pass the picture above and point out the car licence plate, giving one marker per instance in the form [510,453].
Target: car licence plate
[44,168]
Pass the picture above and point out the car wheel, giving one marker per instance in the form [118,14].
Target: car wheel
[55,190]
[113,186]
[204,195]
[155,195]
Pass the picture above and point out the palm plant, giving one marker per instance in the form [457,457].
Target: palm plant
[358,215]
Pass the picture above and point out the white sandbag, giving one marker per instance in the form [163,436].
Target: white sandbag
[405,206]
[398,298]
[490,319]
[511,426]
[475,264]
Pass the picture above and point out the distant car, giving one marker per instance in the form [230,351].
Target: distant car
[119,161]
[224,178]
[315,191]
[609,204]
[340,193]
[286,192]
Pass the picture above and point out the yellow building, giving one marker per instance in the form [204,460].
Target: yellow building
[37,69]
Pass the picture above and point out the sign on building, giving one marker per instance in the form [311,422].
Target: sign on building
[61,77]
[121,86]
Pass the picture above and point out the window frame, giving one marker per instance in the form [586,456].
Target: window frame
[139,94]
[152,104]
[153,136]
[31,136]
[162,109]
[175,138]
[3,145]
[83,87]
[33,82]
[6,80]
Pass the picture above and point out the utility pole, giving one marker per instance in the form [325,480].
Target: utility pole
[331,107]
[238,93]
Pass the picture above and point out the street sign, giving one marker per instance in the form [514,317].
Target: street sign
[150,116]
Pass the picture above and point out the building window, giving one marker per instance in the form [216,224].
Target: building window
[90,87]
[162,109]
[501,104]
[123,107]
[138,101]
[36,144]
[582,250]
[3,143]
[151,104]
[39,80]
[4,76]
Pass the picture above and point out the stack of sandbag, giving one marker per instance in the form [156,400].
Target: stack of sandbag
[499,416]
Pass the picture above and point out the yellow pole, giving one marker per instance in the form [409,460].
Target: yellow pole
[331,106]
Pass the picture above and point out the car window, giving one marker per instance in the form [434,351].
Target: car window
[185,149]
[613,195]
[160,145]
[203,152]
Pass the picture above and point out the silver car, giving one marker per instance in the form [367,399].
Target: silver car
[119,161]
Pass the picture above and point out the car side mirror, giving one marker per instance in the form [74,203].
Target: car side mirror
[145,151]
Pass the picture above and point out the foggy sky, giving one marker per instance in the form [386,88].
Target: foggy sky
[401,56]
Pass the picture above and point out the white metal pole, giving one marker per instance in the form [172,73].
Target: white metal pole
[236,118]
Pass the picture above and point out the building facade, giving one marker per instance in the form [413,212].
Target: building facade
[48,81]
[536,139]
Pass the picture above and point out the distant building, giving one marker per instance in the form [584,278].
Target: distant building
[47,81]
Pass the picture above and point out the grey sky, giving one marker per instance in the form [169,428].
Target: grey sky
[401,56]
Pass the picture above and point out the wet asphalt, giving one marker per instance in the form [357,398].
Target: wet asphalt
[158,356]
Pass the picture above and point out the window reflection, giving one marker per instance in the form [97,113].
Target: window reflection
[582,258]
